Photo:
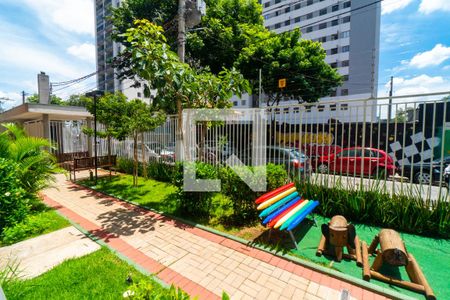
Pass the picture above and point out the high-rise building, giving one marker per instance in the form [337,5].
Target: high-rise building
[348,30]
[106,50]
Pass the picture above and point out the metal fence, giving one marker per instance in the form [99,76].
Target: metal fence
[399,145]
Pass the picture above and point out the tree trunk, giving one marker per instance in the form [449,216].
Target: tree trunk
[144,159]
[135,169]
[109,149]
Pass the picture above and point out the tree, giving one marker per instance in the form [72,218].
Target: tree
[55,100]
[139,117]
[301,62]
[109,111]
[77,100]
[402,115]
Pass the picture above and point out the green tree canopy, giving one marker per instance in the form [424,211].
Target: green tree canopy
[55,100]
[301,62]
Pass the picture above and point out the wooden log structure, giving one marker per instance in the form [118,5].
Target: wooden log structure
[393,252]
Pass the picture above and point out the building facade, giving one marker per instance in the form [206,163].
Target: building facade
[349,32]
[106,50]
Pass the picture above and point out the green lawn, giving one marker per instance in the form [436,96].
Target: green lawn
[99,275]
[40,222]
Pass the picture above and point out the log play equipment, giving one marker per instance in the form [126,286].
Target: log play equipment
[393,252]
[336,235]
[284,209]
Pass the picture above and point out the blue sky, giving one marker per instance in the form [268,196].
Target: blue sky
[57,36]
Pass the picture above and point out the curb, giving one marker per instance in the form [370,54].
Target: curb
[335,274]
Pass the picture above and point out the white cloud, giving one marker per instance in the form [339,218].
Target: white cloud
[84,51]
[12,100]
[69,15]
[429,6]
[388,6]
[419,85]
[434,57]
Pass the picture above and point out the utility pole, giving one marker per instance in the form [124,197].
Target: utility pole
[181,51]
[260,88]
[390,100]
[23,97]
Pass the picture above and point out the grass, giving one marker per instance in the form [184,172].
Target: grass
[99,275]
[40,222]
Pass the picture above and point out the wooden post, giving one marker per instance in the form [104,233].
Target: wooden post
[374,244]
[405,284]
[358,252]
[365,262]
[392,248]
[321,247]
[421,278]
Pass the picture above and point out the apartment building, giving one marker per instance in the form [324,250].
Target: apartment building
[106,50]
[349,32]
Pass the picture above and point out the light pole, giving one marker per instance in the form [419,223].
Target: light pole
[94,95]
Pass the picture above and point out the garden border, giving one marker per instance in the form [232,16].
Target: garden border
[332,273]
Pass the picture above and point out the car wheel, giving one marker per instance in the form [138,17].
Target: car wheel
[322,168]
[422,178]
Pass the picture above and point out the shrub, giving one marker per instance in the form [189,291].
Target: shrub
[243,196]
[400,212]
[160,171]
[33,225]
[194,203]
[14,200]
[125,165]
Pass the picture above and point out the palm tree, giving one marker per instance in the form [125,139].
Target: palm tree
[37,165]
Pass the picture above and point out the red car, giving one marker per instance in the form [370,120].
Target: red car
[357,161]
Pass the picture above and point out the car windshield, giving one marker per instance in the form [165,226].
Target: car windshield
[297,154]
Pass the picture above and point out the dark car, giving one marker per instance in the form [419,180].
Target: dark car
[294,161]
[425,172]
[358,161]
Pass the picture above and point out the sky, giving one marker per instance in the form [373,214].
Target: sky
[57,37]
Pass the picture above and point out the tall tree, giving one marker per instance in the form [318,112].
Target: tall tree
[287,56]
[109,111]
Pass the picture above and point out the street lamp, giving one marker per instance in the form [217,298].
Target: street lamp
[94,95]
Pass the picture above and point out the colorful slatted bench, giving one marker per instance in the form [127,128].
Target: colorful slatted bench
[284,209]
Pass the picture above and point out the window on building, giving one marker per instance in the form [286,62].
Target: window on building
[322,12]
[297,6]
[345,77]
[277,1]
[344,92]
[334,65]
[286,110]
[309,16]
[244,102]
[297,20]
[287,9]
[335,8]
[334,37]
[335,22]
[267,4]
[346,19]
[308,108]
[344,106]
[333,51]
[333,93]
[345,34]
[278,25]
[347,4]
[332,107]
[235,103]
[296,110]
[310,2]
[323,39]
[309,29]
[321,107]
[322,25]
[139,94]
[287,23]
[345,49]
[345,63]
[277,111]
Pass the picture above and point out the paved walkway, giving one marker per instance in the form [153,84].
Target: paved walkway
[201,263]
[38,255]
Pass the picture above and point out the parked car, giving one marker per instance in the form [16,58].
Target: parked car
[426,172]
[294,161]
[358,161]
[314,152]
[148,153]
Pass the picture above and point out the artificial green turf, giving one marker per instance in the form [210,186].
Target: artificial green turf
[35,224]
[99,275]
[432,255]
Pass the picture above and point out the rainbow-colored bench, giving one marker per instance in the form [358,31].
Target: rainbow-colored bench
[284,209]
